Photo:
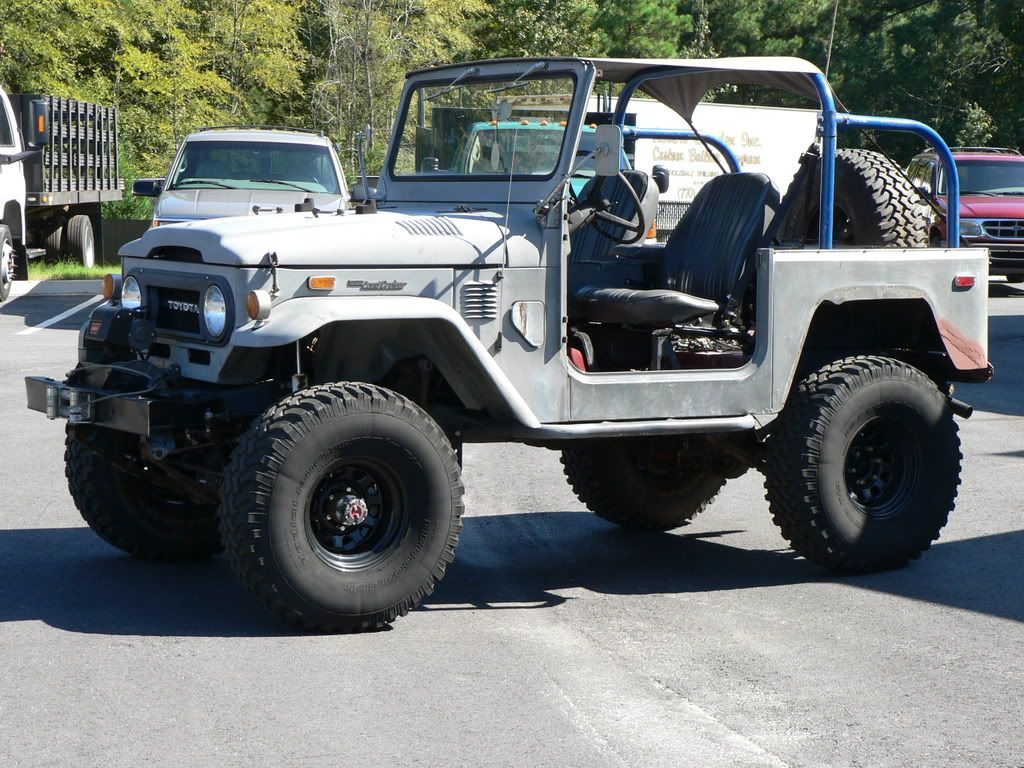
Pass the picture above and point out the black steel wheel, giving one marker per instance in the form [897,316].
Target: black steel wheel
[863,465]
[139,517]
[342,507]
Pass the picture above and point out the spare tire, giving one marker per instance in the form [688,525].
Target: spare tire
[875,204]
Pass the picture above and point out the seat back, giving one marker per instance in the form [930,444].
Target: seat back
[589,244]
[712,245]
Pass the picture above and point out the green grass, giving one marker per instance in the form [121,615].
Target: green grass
[67,270]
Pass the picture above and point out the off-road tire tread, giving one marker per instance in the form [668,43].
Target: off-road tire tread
[82,467]
[897,204]
[597,491]
[790,476]
[260,448]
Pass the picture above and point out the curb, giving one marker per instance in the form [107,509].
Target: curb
[56,288]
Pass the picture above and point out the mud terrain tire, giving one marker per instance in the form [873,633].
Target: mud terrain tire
[611,480]
[875,205]
[143,520]
[863,465]
[342,507]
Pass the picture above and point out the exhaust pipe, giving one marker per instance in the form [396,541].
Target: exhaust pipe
[960,408]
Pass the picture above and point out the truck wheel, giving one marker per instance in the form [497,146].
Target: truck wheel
[637,489]
[7,262]
[863,465]
[342,507]
[128,512]
[875,205]
[54,243]
[81,243]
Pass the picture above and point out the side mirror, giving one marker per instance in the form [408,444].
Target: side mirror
[430,165]
[924,188]
[609,150]
[661,177]
[37,133]
[148,187]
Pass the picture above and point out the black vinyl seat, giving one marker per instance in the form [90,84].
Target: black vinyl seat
[704,260]
[589,242]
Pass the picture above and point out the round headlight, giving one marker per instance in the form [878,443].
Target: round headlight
[971,228]
[215,311]
[131,293]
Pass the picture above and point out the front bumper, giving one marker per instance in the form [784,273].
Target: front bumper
[101,396]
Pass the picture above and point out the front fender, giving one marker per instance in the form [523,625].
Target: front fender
[426,325]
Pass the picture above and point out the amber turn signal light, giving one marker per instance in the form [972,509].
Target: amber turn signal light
[257,305]
[111,287]
[321,283]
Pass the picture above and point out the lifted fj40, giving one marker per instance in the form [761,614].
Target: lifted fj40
[296,388]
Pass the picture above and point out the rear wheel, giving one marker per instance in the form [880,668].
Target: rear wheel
[863,465]
[81,243]
[342,507]
[55,243]
[639,485]
[127,511]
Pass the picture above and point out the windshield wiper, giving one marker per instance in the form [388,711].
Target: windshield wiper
[451,86]
[977,193]
[519,82]
[286,183]
[211,182]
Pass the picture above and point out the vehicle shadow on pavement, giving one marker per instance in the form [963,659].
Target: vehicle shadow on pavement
[70,579]
[523,560]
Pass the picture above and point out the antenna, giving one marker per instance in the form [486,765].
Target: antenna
[831,38]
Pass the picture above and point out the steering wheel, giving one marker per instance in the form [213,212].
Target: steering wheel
[593,209]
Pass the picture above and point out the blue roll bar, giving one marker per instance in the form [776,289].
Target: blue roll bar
[829,124]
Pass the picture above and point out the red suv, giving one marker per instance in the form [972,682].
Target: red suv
[991,203]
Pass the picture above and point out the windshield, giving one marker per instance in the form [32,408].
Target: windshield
[495,128]
[255,165]
[988,177]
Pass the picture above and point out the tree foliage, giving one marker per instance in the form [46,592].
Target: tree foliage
[171,66]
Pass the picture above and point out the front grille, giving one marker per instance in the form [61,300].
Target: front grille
[1005,229]
[177,310]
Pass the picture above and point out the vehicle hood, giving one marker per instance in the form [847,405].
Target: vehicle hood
[387,238]
[984,207]
[191,204]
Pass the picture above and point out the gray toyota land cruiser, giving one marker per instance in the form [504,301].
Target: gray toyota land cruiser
[295,388]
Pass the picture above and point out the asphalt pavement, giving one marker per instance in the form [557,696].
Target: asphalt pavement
[555,639]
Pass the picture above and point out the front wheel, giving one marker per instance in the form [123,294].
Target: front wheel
[863,465]
[7,262]
[342,507]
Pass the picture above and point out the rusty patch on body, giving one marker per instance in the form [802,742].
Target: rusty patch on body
[966,353]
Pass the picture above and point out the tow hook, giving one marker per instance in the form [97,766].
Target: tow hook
[960,408]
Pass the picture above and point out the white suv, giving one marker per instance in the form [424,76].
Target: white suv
[234,171]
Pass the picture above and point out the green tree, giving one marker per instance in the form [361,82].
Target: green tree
[538,28]
[643,28]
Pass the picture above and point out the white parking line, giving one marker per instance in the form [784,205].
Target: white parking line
[57,318]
